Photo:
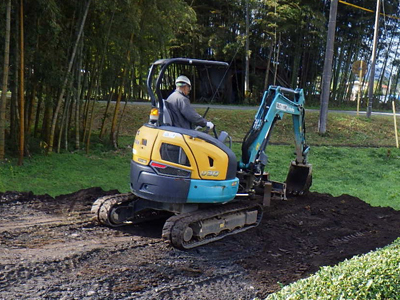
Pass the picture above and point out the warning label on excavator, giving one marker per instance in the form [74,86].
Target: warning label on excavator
[284,107]
[172,135]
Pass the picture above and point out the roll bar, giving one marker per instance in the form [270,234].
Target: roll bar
[156,98]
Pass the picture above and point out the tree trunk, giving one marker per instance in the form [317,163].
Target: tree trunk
[379,89]
[277,59]
[103,127]
[271,49]
[3,100]
[296,62]
[327,74]
[373,61]
[31,114]
[86,111]
[247,54]
[31,106]
[61,96]
[48,112]
[92,115]
[99,82]
[21,89]
[336,68]
[88,82]
[122,114]
[389,92]
[346,73]
[78,97]
[305,71]
[64,119]
[113,133]
[39,106]
[14,123]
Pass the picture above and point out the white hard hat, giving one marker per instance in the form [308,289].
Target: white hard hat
[182,80]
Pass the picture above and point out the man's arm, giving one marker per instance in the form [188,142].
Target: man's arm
[190,114]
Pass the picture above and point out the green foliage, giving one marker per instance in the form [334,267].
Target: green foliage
[287,35]
[375,275]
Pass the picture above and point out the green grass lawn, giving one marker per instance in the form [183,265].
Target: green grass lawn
[368,173]
[65,173]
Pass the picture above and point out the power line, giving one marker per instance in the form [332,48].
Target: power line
[368,10]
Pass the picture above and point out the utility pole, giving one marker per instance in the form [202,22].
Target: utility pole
[373,60]
[327,74]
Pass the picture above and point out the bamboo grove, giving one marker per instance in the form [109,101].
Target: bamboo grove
[60,58]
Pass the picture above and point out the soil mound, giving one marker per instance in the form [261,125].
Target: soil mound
[51,249]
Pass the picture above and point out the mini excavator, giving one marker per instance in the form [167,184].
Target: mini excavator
[195,179]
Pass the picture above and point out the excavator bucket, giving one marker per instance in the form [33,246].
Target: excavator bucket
[299,179]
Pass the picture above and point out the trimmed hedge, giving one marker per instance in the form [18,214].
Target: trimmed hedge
[375,275]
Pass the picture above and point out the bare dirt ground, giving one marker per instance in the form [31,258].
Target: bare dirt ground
[50,249]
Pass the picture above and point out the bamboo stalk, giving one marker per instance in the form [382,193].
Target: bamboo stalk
[65,82]
[21,88]
[3,97]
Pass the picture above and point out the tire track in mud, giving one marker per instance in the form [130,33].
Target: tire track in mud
[220,286]
[41,243]
[25,272]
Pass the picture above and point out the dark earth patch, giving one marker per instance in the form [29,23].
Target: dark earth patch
[51,249]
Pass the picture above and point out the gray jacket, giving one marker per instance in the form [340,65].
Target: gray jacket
[182,113]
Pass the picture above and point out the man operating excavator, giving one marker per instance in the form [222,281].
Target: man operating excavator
[178,104]
[210,192]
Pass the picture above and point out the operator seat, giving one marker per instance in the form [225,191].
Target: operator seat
[166,115]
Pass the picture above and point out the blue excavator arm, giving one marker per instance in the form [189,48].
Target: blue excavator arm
[276,102]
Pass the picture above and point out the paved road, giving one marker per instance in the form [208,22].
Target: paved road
[241,107]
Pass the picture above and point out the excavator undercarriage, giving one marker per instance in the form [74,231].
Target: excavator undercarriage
[185,230]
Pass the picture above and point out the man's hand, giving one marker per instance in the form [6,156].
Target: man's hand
[210,125]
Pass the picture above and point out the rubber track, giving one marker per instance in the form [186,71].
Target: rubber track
[175,225]
[102,207]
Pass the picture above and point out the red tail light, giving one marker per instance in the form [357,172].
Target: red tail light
[157,165]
